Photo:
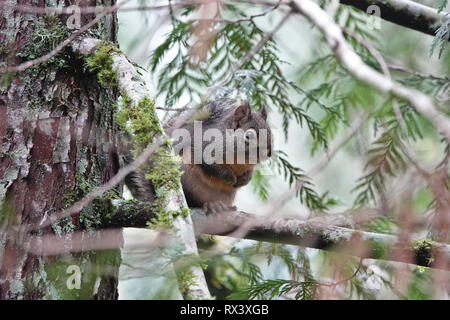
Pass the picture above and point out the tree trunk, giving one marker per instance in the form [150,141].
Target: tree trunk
[58,141]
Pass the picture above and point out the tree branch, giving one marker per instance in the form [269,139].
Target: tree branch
[312,233]
[405,13]
[96,9]
[65,43]
[324,236]
[320,164]
[130,82]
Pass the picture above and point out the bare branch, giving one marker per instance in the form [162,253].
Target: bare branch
[406,13]
[97,9]
[323,236]
[312,233]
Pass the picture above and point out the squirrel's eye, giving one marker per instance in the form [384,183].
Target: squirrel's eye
[250,134]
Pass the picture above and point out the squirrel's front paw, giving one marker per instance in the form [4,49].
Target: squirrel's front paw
[217,207]
[229,177]
[244,178]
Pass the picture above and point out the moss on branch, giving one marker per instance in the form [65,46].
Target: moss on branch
[101,62]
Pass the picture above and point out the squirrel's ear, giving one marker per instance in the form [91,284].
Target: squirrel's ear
[241,114]
[263,112]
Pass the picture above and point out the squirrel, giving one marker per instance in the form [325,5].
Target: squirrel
[212,186]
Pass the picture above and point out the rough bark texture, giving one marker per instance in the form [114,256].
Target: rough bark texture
[58,141]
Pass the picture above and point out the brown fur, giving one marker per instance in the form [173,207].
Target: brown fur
[210,184]
[203,184]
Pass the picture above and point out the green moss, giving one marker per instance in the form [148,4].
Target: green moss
[46,33]
[423,251]
[184,265]
[185,212]
[186,279]
[83,187]
[63,226]
[140,120]
[104,206]
[165,175]
[3,49]
[165,172]
[163,220]
[424,244]
[93,214]
[101,62]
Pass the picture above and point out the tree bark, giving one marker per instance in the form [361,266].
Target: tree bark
[58,141]
[405,13]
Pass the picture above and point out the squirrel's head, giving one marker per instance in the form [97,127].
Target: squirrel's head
[251,132]
[224,131]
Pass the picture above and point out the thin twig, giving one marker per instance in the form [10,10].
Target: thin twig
[334,284]
[244,19]
[173,109]
[96,9]
[62,45]
[374,52]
